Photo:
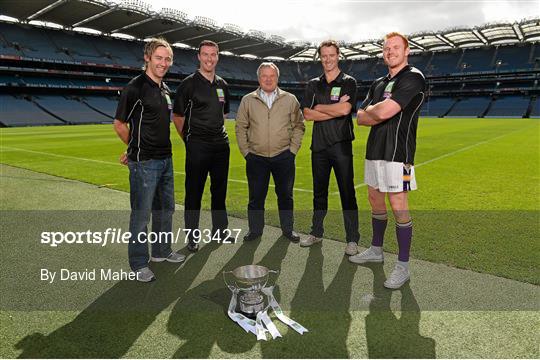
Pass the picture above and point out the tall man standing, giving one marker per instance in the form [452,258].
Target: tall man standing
[145,105]
[329,101]
[269,130]
[391,109]
[200,107]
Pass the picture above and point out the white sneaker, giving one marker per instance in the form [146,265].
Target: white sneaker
[399,276]
[144,275]
[366,256]
[351,248]
[173,257]
[309,240]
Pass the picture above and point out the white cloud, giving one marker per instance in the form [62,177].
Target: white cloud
[509,10]
[354,20]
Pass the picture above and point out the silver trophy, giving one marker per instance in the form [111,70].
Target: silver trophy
[246,283]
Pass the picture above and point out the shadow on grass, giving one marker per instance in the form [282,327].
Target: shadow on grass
[109,326]
[201,318]
[325,313]
[390,336]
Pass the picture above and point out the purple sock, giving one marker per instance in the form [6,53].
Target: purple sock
[378,223]
[404,237]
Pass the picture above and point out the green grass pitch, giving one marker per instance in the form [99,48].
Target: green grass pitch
[477,208]
[478,179]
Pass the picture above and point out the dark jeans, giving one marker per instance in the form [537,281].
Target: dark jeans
[258,170]
[151,184]
[340,158]
[203,159]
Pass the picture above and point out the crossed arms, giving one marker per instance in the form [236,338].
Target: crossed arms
[325,112]
[375,114]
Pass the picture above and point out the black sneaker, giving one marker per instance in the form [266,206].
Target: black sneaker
[193,246]
[250,236]
[292,236]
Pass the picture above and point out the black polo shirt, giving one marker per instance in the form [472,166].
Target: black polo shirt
[146,106]
[319,91]
[203,104]
[395,138]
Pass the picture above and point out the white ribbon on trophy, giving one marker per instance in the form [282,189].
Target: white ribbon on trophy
[279,313]
[253,279]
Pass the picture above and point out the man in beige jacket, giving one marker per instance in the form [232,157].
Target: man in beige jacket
[269,130]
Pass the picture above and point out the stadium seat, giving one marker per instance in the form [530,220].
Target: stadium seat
[12,115]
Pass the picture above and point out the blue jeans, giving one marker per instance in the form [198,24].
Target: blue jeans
[151,192]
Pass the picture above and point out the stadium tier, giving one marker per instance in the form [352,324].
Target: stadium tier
[535,107]
[12,114]
[437,107]
[472,106]
[71,110]
[475,59]
[102,104]
[68,77]
[509,106]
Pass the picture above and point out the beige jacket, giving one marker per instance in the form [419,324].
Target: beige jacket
[268,132]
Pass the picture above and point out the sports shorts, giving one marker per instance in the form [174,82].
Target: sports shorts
[389,176]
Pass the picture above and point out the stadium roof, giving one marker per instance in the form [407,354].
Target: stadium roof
[135,18]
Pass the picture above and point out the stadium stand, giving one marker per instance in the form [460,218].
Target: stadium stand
[420,61]
[514,57]
[71,77]
[233,108]
[104,105]
[32,115]
[472,106]
[509,106]
[27,41]
[443,63]
[70,110]
[438,107]
[481,59]
[535,107]
[118,52]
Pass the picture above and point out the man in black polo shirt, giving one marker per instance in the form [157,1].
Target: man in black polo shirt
[200,106]
[391,109]
[142,122]
[329,101]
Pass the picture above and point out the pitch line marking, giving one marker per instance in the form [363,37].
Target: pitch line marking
[116,164]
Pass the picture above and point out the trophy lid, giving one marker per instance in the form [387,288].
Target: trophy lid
[251,274]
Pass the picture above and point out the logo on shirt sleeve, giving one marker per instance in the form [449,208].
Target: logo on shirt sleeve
[334,93]
[220,95]
[388,90]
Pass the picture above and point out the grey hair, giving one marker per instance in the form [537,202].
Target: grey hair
[267,64]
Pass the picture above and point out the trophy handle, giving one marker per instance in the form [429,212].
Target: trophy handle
[276,274]
[231,287]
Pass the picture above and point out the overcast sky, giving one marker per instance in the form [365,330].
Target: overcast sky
[352,20]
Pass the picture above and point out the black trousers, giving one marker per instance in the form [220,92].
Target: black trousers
[340,158]
[258,170]
[203,159]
